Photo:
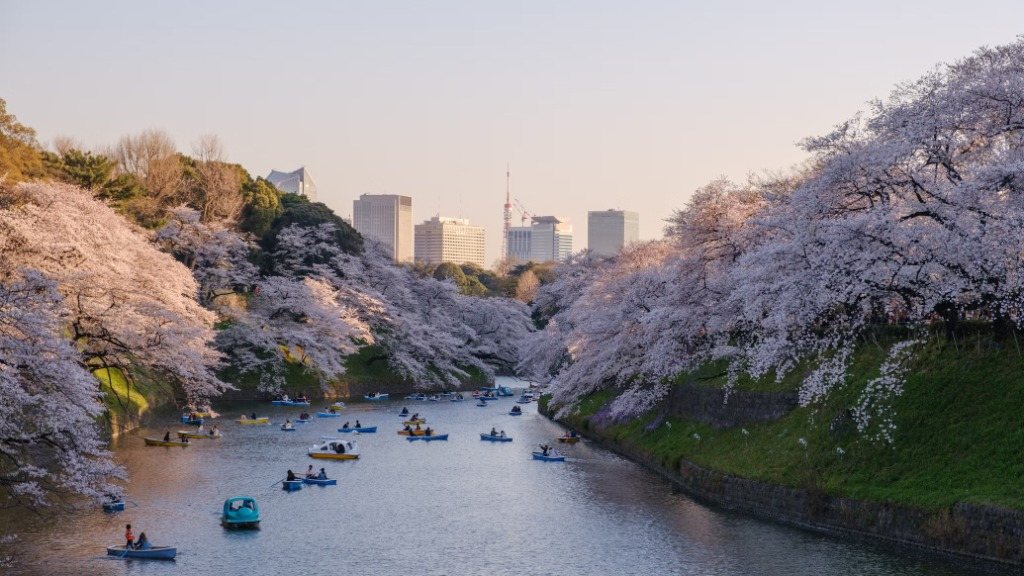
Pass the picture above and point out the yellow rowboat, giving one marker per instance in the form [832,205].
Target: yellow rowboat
[415,422]
[413,433]
[263,420]
[338,406]
[158,442]
[333,456]
[197,435]
[198,415]
[569,439]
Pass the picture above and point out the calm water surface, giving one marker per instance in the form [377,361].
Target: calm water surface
[461,507]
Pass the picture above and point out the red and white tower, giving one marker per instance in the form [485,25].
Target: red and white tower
[508,215]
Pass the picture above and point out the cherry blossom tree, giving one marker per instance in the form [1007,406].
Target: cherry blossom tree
[125,303]
[49,440]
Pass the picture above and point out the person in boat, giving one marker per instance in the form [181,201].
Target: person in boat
[407,429]
[544,449]
[339,447]
[214,431]
[501,434]
[405,410]
[332,410]
[358,425]
[572,433]
[167,436]
[493,432]
[428,432]
[200,428]
[345,425]
[287,423]
[253,417]
[418,428]
[129,536]
[415,416]
[143,543]
[322,475]
[310,472]
[516,409]
[183,437]
[291,476]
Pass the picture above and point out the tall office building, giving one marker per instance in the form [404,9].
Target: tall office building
[454,240]
[297,182]
[547,238]
[608,231]
[387,218]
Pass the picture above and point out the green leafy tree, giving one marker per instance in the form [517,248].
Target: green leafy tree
[298,210]
[20,156]
[84,169]
[262,206]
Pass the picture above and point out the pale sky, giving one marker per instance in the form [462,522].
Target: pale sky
[593,104]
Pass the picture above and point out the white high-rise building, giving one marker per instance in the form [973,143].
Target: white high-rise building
[297,182]
[608,231]
[387,218]
[548,238]
[454,240]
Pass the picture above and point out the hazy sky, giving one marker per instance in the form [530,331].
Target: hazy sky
[594,104]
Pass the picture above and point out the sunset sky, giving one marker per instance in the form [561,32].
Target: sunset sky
[593,104]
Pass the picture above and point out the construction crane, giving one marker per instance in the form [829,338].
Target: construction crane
[526,214]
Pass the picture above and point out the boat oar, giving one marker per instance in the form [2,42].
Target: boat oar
[125,553]
[279,481]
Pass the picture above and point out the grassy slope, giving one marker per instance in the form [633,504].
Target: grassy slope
[960,430]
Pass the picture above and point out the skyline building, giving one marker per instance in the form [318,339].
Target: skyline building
[608,231]
[387,218]
[455,240]
[547,238]
[296,182]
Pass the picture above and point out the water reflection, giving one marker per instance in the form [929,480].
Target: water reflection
[461,507]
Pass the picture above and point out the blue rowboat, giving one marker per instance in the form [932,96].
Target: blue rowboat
[416,397]
[370,429]
[490,438]
[287,428]
[481,403]
[375,396]
[328,414]
[240,513]
[514,413]
[292,485]
[113,506]
[428,438]
[549,458]
[156,552]
[319,482]
[302,421]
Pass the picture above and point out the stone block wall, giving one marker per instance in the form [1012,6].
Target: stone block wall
[710,406]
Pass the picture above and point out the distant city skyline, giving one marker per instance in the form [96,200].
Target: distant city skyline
[594,104]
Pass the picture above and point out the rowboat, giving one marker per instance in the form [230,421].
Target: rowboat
[428,438]
[515,413]
[287,428]
[415,422]
[156,552]
[365,429]
[481,403]
[375,396]
[411,433]
[292,485]
[569,439]
[113,506]
[490,438]
[456,399]
[550,457]
[261,420]
[159,442]
[338,406]
[188,434]
[335,450]
[416,397]
[524,400]
[327,414]
[293,403]
[193,421]
[240,513]
[319,482]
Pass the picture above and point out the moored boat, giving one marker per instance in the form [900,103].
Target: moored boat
[335,450]
[240,513]
[156,552]
[549,457]
[498,438]
[159,442]
[113,506]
